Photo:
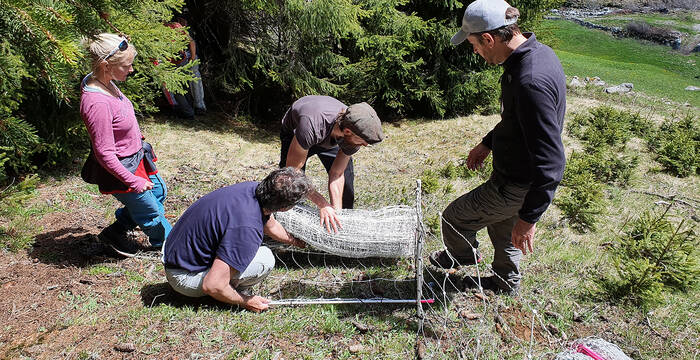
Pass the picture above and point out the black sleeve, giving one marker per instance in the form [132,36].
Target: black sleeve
[488,139]
[541,129]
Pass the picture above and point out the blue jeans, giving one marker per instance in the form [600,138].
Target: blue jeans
[146,210]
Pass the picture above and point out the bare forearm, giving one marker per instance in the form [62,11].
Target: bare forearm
[335,189]
[277,232]
[226,294]
[318,199]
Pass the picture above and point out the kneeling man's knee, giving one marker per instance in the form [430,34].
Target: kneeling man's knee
[266,258]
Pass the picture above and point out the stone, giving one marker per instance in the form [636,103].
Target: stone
[354,349]
[619,89]
[596,81]
[469,315]
[692,88]
[125,347]
[575,82]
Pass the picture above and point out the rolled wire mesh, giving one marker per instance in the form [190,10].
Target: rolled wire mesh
[386,232]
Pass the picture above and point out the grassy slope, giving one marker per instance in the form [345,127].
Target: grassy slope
[653,69]
[679,21]
[556,276]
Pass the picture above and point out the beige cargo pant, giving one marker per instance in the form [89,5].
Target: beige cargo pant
[493,205]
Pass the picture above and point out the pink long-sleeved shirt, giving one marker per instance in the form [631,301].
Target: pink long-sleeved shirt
[113,129]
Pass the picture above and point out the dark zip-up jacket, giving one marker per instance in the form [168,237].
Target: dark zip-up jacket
[526,143]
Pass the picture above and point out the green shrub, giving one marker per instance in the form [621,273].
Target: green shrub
[680,154]
[677,146]
[603,126]
[42,62]
[430,181]
[394,54]
[609,167]
[641,126]
[17,233]
[483,173]
[652,255]
[3,160]
[449,171]
[580,200]
[433,224]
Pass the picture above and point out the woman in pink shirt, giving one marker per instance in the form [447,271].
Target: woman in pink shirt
[121,163]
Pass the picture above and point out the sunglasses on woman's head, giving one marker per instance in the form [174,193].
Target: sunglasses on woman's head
[121,47]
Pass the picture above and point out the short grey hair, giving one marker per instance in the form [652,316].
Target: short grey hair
[283,188]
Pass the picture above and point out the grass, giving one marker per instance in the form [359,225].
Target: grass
[654,70]
[116,308]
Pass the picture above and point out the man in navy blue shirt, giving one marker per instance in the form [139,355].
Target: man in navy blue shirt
[528,154]
[214,248]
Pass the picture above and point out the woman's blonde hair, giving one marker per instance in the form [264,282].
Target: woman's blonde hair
[105,43]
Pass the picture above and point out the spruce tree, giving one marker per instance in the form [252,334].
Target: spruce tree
[42,62]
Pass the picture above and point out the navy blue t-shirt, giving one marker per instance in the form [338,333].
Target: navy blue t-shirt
[227,223]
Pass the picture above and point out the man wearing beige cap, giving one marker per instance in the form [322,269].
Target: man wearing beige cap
[528,154]
[323,126]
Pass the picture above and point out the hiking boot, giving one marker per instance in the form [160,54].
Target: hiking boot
[443,260]
[116,237]
[492,283]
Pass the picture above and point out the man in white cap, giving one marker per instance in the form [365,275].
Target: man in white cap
[528,154]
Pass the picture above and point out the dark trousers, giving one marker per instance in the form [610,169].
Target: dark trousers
[327,156]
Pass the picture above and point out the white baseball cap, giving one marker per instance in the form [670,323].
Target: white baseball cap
[483,15]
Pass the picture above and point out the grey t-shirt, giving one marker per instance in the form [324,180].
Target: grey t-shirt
[311,120]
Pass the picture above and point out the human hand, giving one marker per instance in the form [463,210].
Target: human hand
[296,242]
[476,157]
[523,236]
[329,218]
[255,303]
[146,186]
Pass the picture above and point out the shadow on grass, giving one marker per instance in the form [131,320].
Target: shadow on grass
[153,295]
[70,246]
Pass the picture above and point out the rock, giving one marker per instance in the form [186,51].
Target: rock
[480,296]
[125,347]
[692,88]
[469,315]
[420,351]
[354,349]
[362,328]
[619,89]
[595,81]
[575,82]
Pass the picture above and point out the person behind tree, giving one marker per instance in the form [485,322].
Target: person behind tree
[214,248]
[120,162]
[528,154]
[196,86]
[323,126]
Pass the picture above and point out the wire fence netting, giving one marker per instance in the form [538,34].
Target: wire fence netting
[378,256]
